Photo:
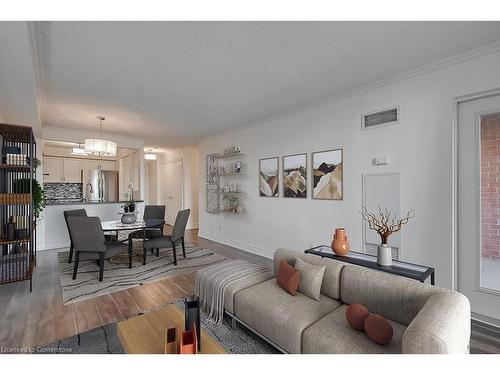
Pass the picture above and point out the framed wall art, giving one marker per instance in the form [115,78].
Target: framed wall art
[295,176]
[327,175]
[269,177]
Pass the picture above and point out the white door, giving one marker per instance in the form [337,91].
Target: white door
[52,169]
[72,170]
[172,187]
[478,205]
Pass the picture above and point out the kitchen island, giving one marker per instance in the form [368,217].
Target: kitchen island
[55,230]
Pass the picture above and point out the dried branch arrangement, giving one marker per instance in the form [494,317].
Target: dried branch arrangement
[385,223]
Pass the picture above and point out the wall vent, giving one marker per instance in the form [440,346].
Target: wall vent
[380,118]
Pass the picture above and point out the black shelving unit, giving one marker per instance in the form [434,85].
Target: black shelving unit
[17,221]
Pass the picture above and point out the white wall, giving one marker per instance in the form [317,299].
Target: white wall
[420,148]
[190,157]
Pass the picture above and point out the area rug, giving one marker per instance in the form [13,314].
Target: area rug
[105,340]
[117,275]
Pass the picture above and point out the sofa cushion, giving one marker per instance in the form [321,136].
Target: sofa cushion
[331,280]
[332,334]
[277,315]
[244,283]
[311,278]
[380,292]
[288,278]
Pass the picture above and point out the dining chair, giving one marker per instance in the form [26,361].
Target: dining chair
[90,244]
[81,213]
[169,241]
[150,212]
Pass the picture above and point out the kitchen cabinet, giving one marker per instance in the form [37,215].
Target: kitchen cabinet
[72,169]
[62,170]
[106,165]
[52,169]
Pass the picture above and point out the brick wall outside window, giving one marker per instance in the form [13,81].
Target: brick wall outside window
[490,187]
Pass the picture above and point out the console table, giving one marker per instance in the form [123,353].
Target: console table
[409,270]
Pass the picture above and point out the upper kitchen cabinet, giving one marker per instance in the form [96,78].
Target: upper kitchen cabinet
[72,170]
[52,169]
[105,165]
[62,170]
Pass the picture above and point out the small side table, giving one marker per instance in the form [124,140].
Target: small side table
[409,270]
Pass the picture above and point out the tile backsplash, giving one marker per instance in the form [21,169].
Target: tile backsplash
[61,191]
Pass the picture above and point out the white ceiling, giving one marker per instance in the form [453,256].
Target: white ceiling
[173,83]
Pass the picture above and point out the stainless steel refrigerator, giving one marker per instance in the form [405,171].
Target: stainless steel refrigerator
[100,186]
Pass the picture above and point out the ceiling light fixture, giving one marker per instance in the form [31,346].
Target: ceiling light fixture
[78,151]
[149,156]
[99,146]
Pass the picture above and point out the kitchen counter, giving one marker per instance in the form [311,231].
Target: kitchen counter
[80,202]
[55,233]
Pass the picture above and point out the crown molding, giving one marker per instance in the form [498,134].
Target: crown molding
[412,73]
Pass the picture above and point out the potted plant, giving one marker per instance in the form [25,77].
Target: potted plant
[385,224]
[22,186]
[129,216]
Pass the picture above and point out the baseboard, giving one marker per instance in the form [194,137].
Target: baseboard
[54,245]
[245,246]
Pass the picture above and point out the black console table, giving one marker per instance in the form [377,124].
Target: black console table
[409,270]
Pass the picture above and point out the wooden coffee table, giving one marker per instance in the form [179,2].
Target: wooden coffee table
[145,334]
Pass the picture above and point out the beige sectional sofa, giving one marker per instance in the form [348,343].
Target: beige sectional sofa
[425,319]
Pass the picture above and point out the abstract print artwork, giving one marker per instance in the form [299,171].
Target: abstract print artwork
[328,176]
[268,177]
[295,176]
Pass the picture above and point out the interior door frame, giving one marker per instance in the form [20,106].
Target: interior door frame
[455,104]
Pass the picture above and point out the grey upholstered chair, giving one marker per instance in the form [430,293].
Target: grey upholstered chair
[90,244]
[67,214]
[170,241]
[150,212]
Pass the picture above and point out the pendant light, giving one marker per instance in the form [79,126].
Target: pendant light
[99,146]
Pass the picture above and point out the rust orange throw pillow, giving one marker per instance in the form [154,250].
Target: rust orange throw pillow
[378,329]
[288,277]
[356,314]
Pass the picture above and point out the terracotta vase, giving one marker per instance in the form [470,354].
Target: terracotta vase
[340,244]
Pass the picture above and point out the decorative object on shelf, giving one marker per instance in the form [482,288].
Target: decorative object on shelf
[268,177]
[235,149]
[212,169]
[238,166]
[100,146]
[385,224]
[327,175]
[295,176]
[192,315]
[212,198]
[340,243]
[11,229]
[172,340]
[189,341]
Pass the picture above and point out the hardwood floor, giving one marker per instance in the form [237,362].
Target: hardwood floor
[39,318]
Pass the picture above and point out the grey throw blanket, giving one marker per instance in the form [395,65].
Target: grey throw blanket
[211,282]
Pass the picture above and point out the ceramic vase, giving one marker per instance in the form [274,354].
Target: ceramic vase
[340,244]
[128,218]
[384,255]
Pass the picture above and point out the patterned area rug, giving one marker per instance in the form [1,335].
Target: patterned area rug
[104,340]
[117,275]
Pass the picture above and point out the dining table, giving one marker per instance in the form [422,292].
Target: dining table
[117,227]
